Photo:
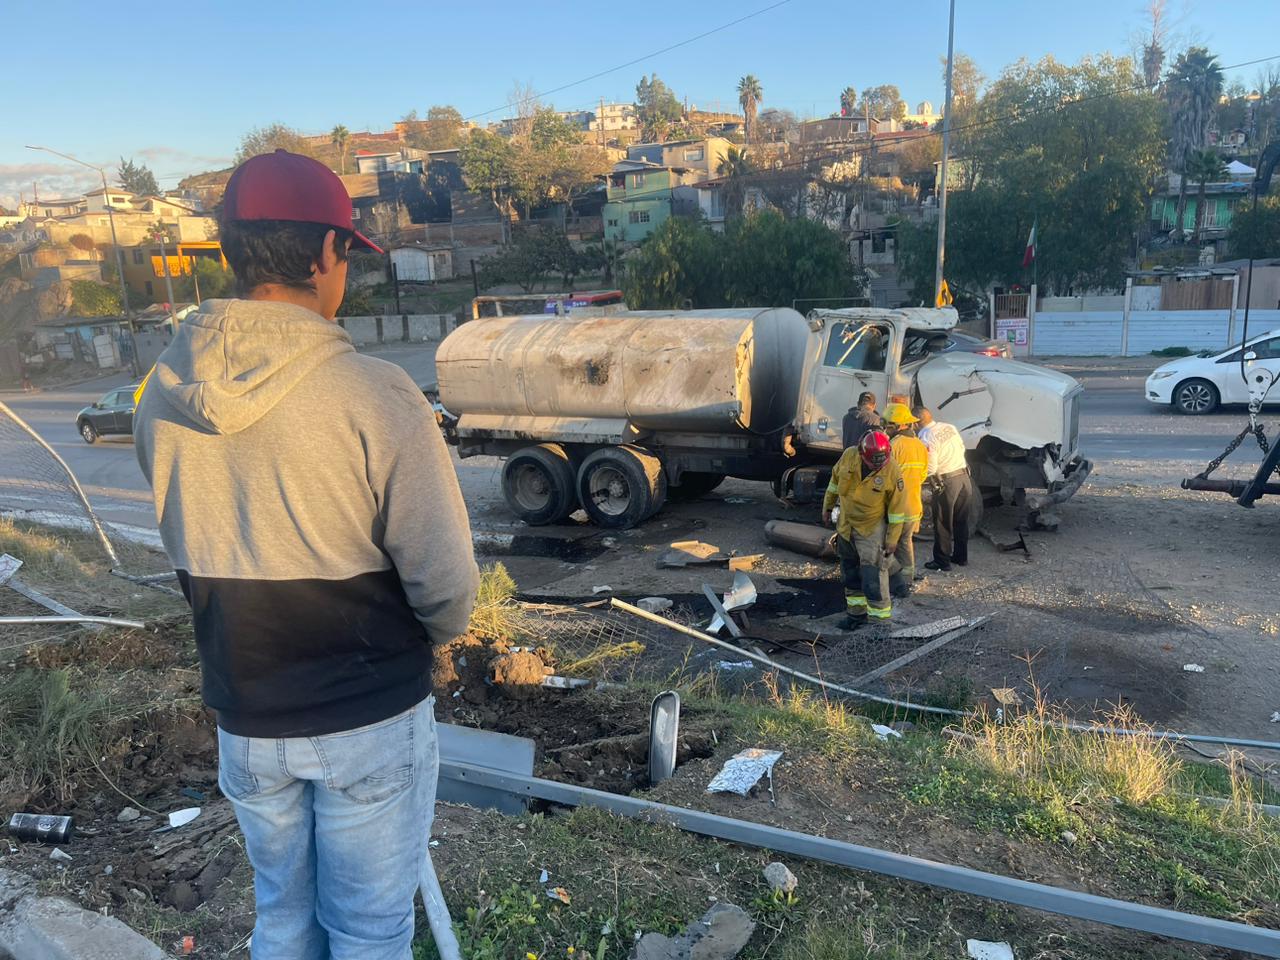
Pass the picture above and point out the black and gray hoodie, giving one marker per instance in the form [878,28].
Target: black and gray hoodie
[309,504]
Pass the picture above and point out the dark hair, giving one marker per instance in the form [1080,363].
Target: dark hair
[866,397]
[276,251]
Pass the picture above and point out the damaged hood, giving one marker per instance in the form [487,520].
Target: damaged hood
[1021,403]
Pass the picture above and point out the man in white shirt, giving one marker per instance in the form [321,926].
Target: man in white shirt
[952,495]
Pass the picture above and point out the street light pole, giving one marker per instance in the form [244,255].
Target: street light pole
[115,244]
[942,170]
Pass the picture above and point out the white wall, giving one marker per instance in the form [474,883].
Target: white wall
[1100,333]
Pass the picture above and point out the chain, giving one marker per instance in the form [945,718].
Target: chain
[1254,428]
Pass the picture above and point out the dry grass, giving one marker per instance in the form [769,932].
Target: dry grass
[495,614]
[1030,745]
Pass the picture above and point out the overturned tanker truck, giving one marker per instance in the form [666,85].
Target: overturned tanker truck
[616,414]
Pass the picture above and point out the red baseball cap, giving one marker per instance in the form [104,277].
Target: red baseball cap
[289,186]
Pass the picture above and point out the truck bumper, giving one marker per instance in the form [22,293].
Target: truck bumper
[1041,504]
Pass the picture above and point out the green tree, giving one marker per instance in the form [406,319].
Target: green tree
[760,260]
[550,130]
[1255,229]
[776,125]
[486,161]
[657,109]
[1204,166]
[215,282]
[89,298]
[340,136]
[441,130]
[136,178]
[848,102]
[749,96]
[1076,146]
[735,167]
[967,80]
[532,255]
[268,139]
[1192,90]
[884,102]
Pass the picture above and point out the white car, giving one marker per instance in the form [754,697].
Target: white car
[1200,384]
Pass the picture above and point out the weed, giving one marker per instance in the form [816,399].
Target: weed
[601,657]
[1172,352]
[840,938]
[495,614]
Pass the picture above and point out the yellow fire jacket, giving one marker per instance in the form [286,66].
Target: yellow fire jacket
[867,501]
[913,460]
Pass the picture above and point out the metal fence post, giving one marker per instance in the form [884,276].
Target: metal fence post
[1231,316]
[1124,319]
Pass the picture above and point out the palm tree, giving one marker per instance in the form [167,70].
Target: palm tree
[749,95]
[1204,166]
[339,136]
[734,168]
[1193,88]
[848,102]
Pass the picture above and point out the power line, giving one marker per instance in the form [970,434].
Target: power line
[647,56]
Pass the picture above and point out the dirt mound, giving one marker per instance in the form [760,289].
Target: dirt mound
[473,670]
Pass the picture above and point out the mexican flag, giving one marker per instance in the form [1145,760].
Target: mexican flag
[1030,254]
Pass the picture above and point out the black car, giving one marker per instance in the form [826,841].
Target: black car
[112,414]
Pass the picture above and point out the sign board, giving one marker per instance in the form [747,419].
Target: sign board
[1016,332]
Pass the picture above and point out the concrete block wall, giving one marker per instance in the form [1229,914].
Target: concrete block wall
[1101,333]
[398,328]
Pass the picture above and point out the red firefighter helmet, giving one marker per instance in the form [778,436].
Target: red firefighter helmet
[875,449]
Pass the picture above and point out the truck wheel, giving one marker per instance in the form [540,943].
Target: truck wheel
[694,485]
[538,484]
[620,486]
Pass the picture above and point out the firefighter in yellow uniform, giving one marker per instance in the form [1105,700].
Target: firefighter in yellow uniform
[871,493]
[912,458]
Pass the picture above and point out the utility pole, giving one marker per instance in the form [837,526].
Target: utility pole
[106,199]
[168,280]
[942,170]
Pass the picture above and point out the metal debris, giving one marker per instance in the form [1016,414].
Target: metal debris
[739,596]
[664,731]
[1192,668]
[803,538]
[743,771]
[747,562]
[686,552]
[926,631]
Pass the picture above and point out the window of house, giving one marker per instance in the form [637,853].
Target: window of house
[878,243]
[637,180]
[694,155]
[613,223]
[137,257]
[633,217]
[150,290]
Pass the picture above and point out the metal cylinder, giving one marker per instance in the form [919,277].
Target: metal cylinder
[803,538]
[42,828]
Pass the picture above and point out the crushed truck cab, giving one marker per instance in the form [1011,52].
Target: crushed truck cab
[616,414]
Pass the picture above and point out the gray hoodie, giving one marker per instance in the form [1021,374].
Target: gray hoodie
[309,505]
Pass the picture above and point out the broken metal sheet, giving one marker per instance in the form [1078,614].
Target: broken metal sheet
[743,771]
[686,552]
[926,631]
[741,595]
[8,567]
[494,751]
[664,731]
[722,618]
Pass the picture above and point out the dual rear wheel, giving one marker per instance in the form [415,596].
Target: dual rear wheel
[618,487]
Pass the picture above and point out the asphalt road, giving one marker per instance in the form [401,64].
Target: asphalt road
[1116,423]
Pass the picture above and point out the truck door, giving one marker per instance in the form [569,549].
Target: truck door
[855,357]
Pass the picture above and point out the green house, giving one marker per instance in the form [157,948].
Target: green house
[639,200]
[1221,200]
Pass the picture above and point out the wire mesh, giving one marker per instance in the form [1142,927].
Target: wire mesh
[35,483]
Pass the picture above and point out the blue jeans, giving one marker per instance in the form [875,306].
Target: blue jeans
[336,828]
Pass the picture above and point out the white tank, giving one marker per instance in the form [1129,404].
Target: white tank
[697,370]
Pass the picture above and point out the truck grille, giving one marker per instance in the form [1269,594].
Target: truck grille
[1073,424]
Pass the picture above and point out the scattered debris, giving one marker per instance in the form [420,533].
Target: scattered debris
[1192,668]
[655,604]
[989,950]
[186,946]
[741,595]
[927,631]
[57,853]
[734,665]
[602,588]
[128,815]
[720,935]
[920,651]
[1067,837]
[664,731]
[559,893]
[779,878]
[543,877]
[884,733]
[579,516]
[745,562]
[180,818]
[42,828]
[554,682]
[685,552]
[191,793]
[738,500]
[609,543]
[806,538]
[1006,696]
[1275,717]
[743,771]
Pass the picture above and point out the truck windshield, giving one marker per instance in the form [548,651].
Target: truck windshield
[857,346]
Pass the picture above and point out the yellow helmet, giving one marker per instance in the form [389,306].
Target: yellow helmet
[899,414]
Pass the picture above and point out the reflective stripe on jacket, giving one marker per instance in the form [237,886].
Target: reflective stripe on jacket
[866,501]
[912,457]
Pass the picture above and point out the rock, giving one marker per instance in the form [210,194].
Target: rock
[128,815]
[779,878]
[57,853]
[1068,837]
[49,928]
[720,935]
[654,604]
[519,673]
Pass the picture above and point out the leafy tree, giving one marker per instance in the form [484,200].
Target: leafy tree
[340,136]
[657,108]
[1153,43]
[549,130]
[530,257]
[486,163]
[776,125]
[1076,146]
[268,139]
[93,299]
[848,102]
[735,167]
[760,260]
[749,94]
[967,80]
[441,130]
[1204,166]
[136,178]
[215,282]
[1191,92]
[884,102]
[1255,229]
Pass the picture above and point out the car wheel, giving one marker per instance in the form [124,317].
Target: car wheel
[87,431]
[1195,397]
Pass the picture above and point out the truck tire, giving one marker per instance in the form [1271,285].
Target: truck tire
[539,484]
[620,487]
[694,485]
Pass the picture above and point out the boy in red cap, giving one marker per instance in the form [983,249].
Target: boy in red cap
[310,508]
